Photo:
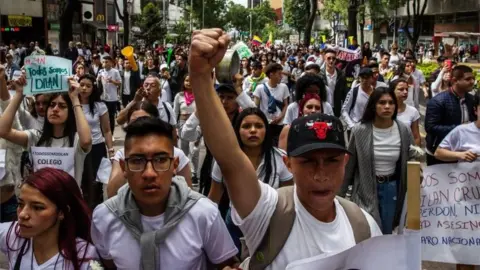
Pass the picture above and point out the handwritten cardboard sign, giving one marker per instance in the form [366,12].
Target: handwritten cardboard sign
[398,252]
[47,74]
[450,213]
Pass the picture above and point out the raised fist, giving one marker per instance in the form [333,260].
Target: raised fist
[207,50]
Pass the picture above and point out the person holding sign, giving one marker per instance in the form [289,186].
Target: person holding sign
[377,169]
[299,221]
[463,142]
[52,230]
[65,140]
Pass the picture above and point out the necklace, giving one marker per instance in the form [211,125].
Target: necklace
[33,254]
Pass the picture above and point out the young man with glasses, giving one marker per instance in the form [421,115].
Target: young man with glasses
[255,79]
[157,221]
[335,81]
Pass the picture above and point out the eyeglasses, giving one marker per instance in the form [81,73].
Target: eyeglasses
[159,163]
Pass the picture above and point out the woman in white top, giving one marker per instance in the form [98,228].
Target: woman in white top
[65,136]
[117,179]
[395,57]
[462,143]
[377,168]
[442,83]
[255,139]
[96,113]
[308,83]
[407,114]
[53,227]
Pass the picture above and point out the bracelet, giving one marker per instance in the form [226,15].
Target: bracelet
[78,105]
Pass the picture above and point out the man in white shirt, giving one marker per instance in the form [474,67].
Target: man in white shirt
[357,99]
[150,92]
[111,80]
[278,91]
[462,143]
[316,157]
[156,221]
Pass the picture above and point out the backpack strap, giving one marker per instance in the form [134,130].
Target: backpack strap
[279,228]
[168,112]
[354,98]
[358,221]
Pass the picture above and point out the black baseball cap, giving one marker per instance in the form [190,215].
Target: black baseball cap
[314,132]
[256,64]
[226,87]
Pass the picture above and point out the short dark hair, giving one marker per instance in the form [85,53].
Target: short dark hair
[441,59]
[459,71]
[274,67]
[373,65]
[145,106]
[330,51]
[144,126]
[108,58]
[411,60]
[371,109]
[385,53]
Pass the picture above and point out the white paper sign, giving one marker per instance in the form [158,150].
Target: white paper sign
[450,213]
[3,154]
[104,171]
[62,158]
[393,252]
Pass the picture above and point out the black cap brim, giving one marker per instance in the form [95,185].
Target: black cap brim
[221,88]
[317,146]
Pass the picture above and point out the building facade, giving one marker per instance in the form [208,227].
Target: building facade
[22,21]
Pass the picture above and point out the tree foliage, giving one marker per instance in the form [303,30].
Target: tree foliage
[182,31]
[295,14]
[151,23]
[415,15]
[312,13]
[237,16]
[333,10]
[263,15]
[210,13]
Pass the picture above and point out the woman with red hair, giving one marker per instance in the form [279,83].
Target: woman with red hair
[53,226]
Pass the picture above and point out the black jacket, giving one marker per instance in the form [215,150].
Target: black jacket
[443,114]
[341,90]
[134,81]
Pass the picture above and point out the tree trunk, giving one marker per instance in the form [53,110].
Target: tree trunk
[126,24]
[352,19]
[310,21]
[66,24]
[362,25]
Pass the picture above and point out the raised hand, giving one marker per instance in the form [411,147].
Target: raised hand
[2,72]
[18,85]
[74,89]
[207,50]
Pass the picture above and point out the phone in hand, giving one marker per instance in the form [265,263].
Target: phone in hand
[449,64]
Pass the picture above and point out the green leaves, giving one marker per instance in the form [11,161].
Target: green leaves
[296,12]
[151,23]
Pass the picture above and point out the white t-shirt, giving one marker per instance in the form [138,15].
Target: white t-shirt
[309,237]
[177,152]
[164,116]
[386,149]
[292,112]
[331,83]
[34,136]
[166,91]
[280,93]
[408,116]
[282,174]
[201,232]
[247,84]
[94,120]
[110,89]
[29,261]
[126,82]
[463,138]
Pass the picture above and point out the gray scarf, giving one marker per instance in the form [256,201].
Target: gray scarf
[180,199]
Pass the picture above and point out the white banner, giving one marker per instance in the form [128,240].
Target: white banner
[392,252]
[62,158]
[450,213]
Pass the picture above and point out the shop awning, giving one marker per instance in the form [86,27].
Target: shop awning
[457,34]
[96,25]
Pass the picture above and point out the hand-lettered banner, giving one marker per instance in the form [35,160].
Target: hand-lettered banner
[450,213]
[47,74]
[242,50]
[393,252]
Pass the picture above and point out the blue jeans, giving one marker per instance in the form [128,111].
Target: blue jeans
[387,203]
[234,231]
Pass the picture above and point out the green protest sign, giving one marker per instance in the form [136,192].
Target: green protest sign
[242,50]
[46,74]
